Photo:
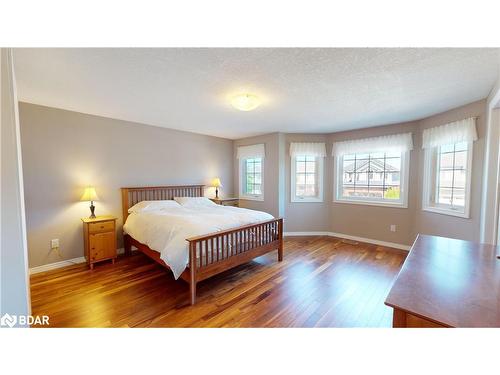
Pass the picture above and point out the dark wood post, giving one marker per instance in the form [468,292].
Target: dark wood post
[280,238]
[127,246]
[192,271]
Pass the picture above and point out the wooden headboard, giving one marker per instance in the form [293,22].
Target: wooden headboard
[133,195]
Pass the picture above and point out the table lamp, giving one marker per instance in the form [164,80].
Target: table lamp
[89,195]
[216,184]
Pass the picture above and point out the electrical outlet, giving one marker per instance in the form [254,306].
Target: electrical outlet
[54,244]
[393,227]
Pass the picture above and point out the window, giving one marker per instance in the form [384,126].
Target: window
[378,178]
[447,167]
[252,182]
[251,172]
[447,179]
[373,171]
[307,171]
[307,178]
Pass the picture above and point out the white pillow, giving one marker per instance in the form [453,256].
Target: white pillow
[193,202]
[145,206]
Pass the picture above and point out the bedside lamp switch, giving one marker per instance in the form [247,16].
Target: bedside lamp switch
[54,244]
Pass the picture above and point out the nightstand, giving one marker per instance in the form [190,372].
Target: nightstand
[226,201]
[99,238]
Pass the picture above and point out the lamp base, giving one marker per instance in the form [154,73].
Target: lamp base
[92,208]
[216,193]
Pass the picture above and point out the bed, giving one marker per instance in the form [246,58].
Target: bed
[202,254]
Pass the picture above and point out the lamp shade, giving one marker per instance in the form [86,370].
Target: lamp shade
[89,194]
[216,182]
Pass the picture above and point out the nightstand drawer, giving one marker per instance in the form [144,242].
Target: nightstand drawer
[104,226]
[233,203]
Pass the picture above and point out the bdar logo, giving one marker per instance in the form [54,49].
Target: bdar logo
[8,320]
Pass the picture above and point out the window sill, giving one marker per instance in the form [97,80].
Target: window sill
[250,198]
[444,211]
[306,200]
[371,203]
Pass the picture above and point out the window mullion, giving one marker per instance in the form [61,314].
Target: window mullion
[438,176]
[296,182]
[368,173]
[384,175]
[453,175]
[316,177]
[355,172]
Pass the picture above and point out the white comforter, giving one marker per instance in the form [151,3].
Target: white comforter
[166,230]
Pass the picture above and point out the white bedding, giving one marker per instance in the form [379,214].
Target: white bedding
[165,230]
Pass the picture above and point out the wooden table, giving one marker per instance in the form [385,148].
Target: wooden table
[447,283]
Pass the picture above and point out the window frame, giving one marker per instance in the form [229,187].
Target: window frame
[242,175]
[430,184]
[319,176]
[404,184]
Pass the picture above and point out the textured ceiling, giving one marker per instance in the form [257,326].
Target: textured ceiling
[303,90]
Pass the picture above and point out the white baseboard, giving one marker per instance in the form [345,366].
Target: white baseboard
[53,266]
[65,263]
[292,234]
[349,237]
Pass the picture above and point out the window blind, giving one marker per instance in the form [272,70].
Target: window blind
[250,152]
[308,148]
[387,143]
[454,132]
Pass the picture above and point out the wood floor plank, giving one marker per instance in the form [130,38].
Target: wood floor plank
[322,282]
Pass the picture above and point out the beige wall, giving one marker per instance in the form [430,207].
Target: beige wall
[64,151]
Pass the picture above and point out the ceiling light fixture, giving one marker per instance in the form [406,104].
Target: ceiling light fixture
[245,102]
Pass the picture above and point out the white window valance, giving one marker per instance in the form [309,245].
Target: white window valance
[386,143]
[308,148]
[454,132]
[253,151]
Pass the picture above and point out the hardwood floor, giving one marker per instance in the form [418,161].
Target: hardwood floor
[322,282]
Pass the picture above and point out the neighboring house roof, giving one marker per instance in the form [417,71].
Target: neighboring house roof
[376,165]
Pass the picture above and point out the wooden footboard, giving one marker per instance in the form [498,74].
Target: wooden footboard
[216,252]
